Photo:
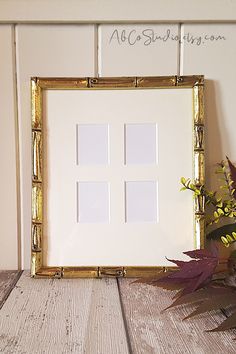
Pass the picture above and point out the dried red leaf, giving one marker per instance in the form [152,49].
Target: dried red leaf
[196,273]
[229,323]
[216,302]
[203,253]
[199,296]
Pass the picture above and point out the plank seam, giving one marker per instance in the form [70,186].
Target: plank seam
[124,318]
[8,292]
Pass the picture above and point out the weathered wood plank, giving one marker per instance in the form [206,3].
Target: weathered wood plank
[8,279]
[151,331]
[63,316]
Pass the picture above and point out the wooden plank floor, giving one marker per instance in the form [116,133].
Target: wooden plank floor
[8,279]
[101,316]
[151,331]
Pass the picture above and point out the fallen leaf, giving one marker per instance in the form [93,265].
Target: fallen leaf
[229,323]
[193,274]
[216,302]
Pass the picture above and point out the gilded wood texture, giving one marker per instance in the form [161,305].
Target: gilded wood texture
[37,155]
[37,202]
[200,204]
[48,272]
[80,272]
[36,263]
[36,237]
[161,81]
[111,272]
[144,272]
[199,230]
[199,161]
[198,137]
[38,84]
[199,167]
[190,81]
[198,104]
[112,82]
[63,83]
[36,104]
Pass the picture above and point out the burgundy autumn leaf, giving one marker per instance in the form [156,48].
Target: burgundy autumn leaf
[232,169]
[193,274]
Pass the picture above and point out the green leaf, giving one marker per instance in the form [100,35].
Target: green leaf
[225,241]
[220,211]
[183,189]
[229,238]
[223,230]
[183,180]
[223,187]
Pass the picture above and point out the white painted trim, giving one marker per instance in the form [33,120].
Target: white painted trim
[101,11]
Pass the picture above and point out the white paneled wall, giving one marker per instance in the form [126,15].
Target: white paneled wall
[127,50]
[45,50]
[108,50]
[216,60]
[8,190]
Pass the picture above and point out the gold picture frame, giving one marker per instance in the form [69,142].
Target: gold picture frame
[38,85]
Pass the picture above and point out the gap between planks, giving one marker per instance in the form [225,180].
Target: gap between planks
[8,279]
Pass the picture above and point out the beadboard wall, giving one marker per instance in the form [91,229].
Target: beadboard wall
[100,38]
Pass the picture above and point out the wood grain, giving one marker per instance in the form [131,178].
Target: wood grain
[63,316]
[8,279]
[151,331]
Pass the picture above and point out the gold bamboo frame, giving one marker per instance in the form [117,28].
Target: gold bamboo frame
[38,85]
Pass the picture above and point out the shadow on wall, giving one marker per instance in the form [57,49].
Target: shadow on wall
[214,152]
[213,139]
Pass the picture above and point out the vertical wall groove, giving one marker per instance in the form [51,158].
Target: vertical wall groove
[99,59]
[181,50]
[16,115]
[96,51]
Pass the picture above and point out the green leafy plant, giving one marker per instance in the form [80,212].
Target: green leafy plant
[223,202]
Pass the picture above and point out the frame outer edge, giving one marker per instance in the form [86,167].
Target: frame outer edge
[199,162]
[36,194]
[36,104]
[36,263]
[37,84]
